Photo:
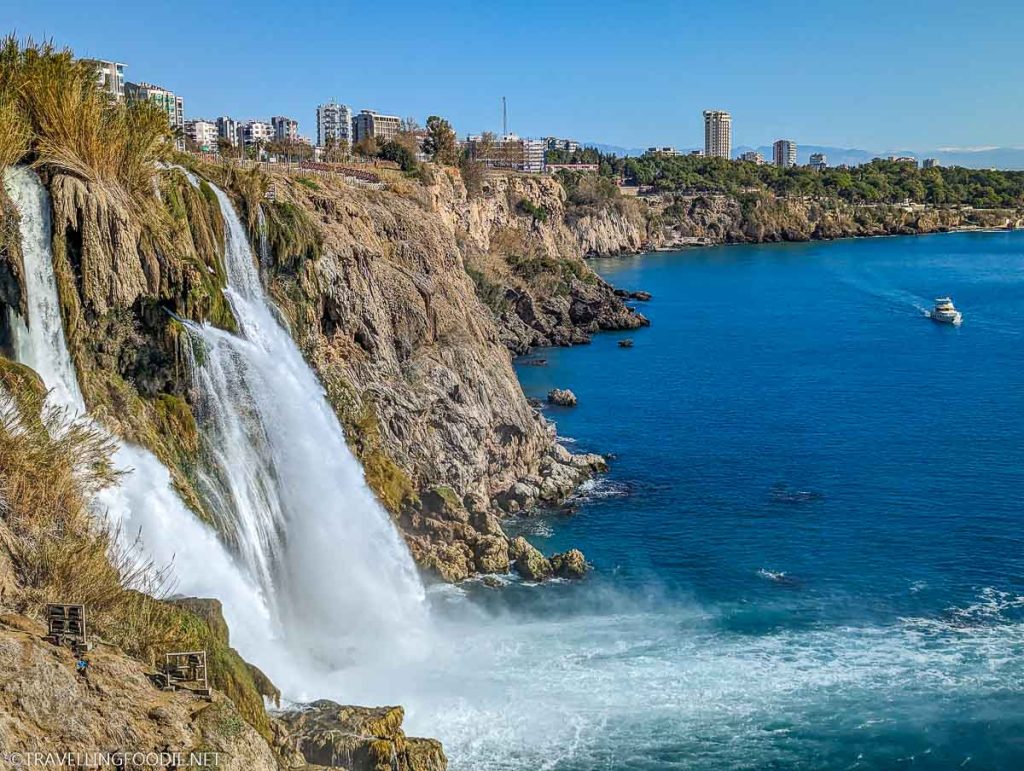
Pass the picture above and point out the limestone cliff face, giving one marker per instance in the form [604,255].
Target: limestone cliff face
[407,297]
[394,315]
[687,220]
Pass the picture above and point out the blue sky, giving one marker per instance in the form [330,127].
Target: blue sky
[875,75]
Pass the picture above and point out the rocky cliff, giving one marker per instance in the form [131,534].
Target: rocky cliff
[754,217]
[408,309]
[407,297]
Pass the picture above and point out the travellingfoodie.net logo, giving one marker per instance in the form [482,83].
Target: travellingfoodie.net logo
[111,759]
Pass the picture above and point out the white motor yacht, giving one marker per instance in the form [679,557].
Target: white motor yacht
[945,313]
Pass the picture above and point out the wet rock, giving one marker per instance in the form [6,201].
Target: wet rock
[529,562]
[562,397]
[590,461]
[569,564]
[640,295]
[449,561]
[627,343]
[491,554]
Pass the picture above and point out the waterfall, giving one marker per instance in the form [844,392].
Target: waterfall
[341,582]
[144,505]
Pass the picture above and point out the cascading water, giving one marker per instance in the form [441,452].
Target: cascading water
[143,506]
[340,580]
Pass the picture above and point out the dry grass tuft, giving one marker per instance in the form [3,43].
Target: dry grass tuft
[53,113]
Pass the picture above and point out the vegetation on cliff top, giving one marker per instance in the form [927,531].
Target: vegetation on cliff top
[880,181]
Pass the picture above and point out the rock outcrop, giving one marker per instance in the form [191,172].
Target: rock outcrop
[325,734]
[562,397]
[698,219]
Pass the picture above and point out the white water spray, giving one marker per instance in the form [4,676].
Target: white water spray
[144,504]
[341,582]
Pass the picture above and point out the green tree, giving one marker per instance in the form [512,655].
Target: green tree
[440,143]
[400,154]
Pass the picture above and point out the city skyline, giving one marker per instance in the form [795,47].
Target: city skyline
[878,84]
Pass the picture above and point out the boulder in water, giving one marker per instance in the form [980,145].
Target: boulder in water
[529,562]
[562,397]
[569,564]
[627,343]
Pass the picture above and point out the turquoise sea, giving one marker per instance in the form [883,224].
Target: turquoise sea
[808,552]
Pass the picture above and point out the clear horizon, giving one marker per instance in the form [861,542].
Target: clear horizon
[874,78]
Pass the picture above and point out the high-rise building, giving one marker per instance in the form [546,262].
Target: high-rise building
[285,129]
[333,124]
[784,153]
[752,156]
[204,133]
[818,161]
[227,128]
[110,77]
[368,123]
[166,100]
[930,163]
[717,134]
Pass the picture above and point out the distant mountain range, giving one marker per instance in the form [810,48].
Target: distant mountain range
[970,157]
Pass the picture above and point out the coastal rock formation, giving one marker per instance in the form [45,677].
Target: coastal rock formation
[570,564]
[529,562]
[408,314]
[329,735]
[698,219]
[406,298]
[562,397]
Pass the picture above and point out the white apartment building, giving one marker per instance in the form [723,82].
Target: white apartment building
[285,129]
[509,152]
[204,133]
[257,131]
[566,145]
[110,77]
[717,134]
[818,161]
[784,153]
[533,155]
[333,122]
[368,123]
[752,156]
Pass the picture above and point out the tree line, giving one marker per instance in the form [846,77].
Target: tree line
[880,181]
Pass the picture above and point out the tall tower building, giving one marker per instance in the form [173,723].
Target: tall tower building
[784,153]
[717,134]
[334,122]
